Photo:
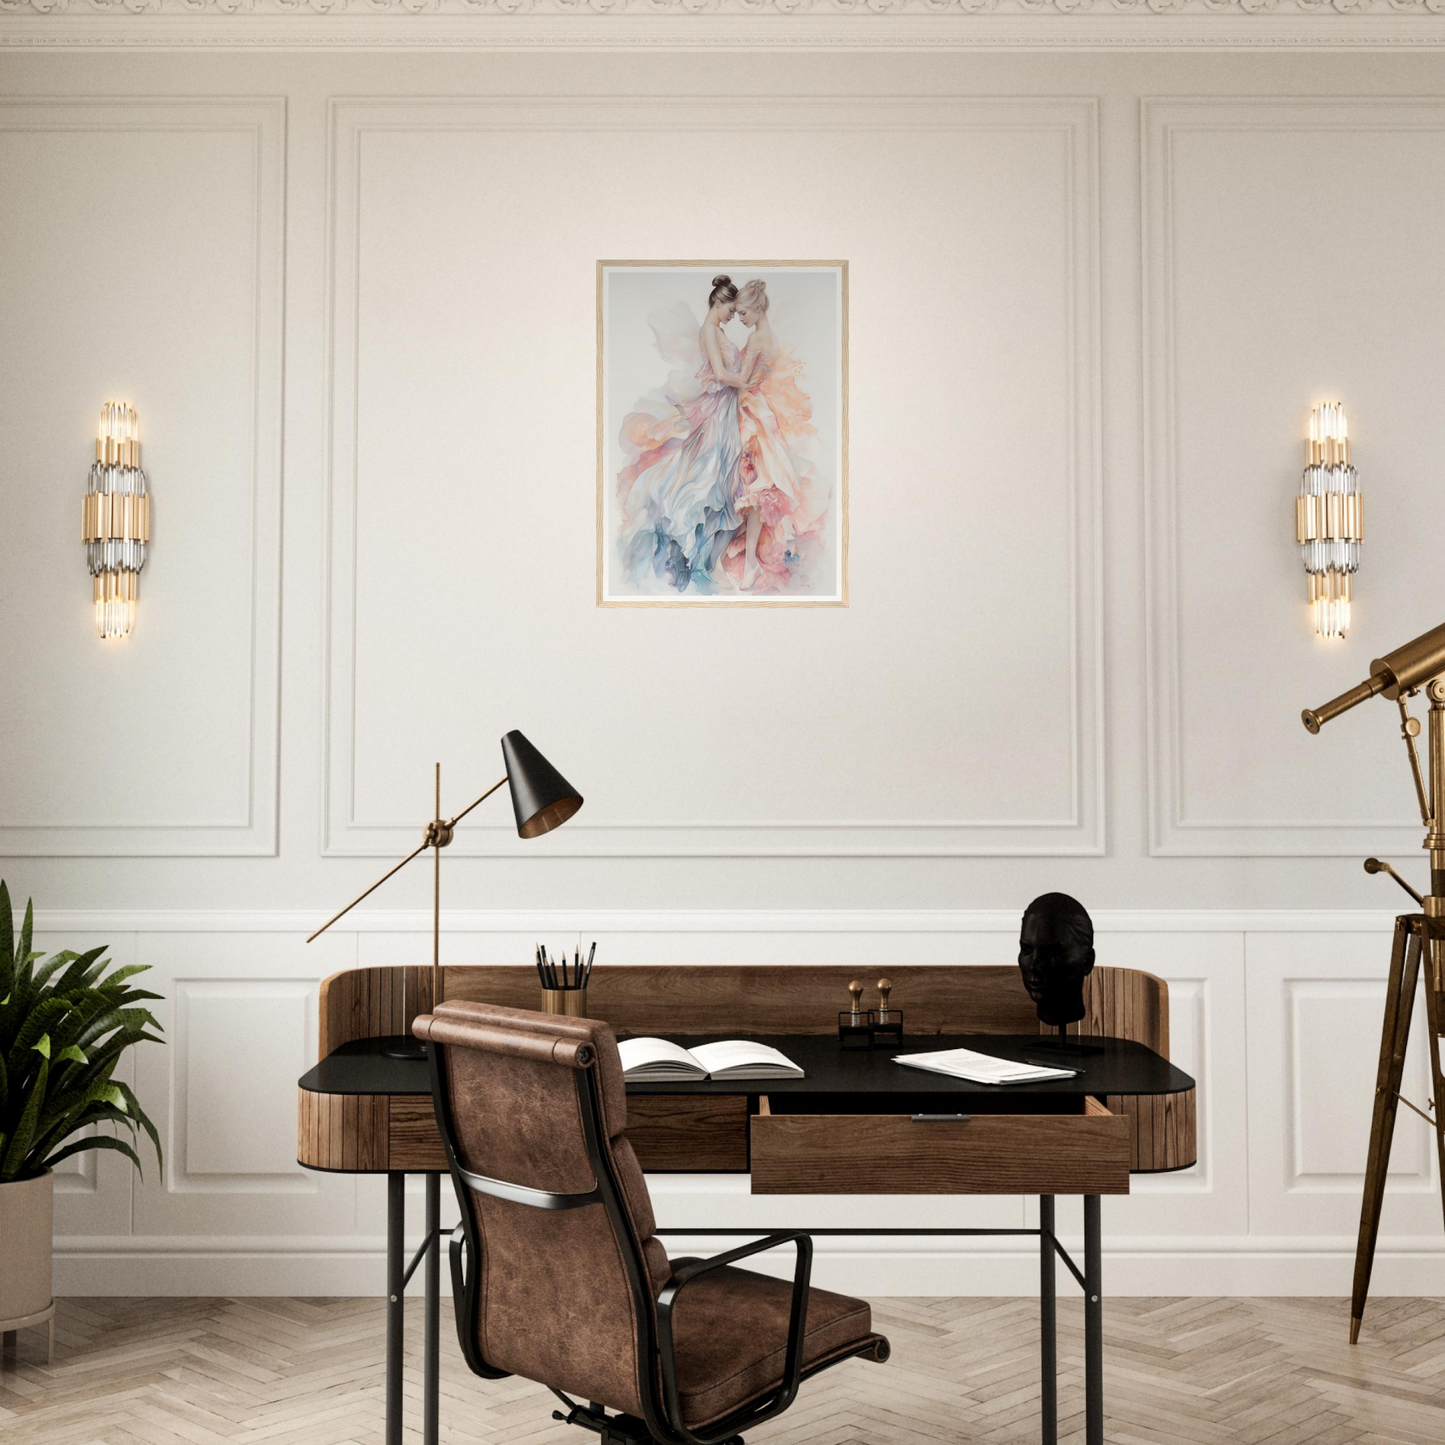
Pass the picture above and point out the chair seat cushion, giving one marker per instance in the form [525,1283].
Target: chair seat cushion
[730,1335]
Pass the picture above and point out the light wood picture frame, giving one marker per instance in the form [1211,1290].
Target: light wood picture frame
[722,433]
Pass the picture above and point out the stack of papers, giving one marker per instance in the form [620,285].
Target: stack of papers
[658,1061]
[981,1068]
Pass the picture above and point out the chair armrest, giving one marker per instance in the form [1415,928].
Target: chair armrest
[797,1323]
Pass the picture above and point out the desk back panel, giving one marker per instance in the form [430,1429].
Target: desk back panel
[725,1000]
[1122,1003]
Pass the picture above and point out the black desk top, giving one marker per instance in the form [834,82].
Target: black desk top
[1112,1066]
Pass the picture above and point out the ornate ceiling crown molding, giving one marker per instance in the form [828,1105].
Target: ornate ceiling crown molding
[740,8]
[861,25]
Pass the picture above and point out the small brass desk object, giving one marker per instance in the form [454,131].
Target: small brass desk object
[885,1024]
[853,1030]
[1399,675]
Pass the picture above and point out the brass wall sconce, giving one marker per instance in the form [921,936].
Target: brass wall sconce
[116,519]
[1329,519]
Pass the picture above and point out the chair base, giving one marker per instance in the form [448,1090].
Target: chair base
[615,1429]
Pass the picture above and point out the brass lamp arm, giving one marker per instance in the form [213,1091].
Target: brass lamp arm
[420,848]
[431,840]
[453,823]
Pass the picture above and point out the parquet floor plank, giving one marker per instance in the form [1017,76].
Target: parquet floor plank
[1178,1372]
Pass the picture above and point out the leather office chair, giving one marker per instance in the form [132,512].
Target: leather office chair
[556,1272]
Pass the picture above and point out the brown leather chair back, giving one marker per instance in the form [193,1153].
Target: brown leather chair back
[552,1274]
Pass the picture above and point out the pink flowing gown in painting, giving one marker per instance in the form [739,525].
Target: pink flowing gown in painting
[676,491]
[775,479]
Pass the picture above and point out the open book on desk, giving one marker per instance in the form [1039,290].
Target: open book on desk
[981,1068]
[657,1061]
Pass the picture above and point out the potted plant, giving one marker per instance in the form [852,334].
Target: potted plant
[64,1025]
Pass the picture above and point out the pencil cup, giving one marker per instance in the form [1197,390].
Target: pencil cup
[569,1001]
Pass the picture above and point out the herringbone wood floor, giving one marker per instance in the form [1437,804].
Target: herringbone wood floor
[1208,1371]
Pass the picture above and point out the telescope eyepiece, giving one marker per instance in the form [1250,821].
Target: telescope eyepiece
[1311,720]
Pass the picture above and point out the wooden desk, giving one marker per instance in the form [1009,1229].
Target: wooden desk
[847,1127]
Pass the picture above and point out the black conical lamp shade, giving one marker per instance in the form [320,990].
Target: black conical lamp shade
[542,798]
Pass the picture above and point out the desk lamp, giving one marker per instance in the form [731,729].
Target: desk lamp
[542,799]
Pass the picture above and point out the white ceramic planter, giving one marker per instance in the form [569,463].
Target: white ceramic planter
[26,1211]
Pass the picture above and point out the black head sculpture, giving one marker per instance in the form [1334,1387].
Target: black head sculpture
[1056,954]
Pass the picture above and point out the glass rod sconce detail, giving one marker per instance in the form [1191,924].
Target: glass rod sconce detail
[116,519]
[1329,519]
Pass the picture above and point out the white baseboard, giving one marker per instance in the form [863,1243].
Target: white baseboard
[1145,1267]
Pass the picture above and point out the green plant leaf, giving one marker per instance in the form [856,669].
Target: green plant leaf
[13,1160]
[140,1115]
[98,1141]
[94,1113]
[84,969]
[114,1018]
[65,1023]
[47,970]
[27,932]
[128,971]
[7,940]
[65,1110]
[45,1016]
[104,1055]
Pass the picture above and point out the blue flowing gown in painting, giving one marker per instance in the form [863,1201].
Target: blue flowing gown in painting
[677,492]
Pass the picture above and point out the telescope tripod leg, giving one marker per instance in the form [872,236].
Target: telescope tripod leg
[1435,1017]
[1399,1006]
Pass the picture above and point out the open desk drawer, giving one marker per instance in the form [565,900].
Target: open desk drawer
[1077,1147]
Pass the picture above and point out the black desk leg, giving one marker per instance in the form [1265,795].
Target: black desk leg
[433,1306]
[1093,1325]
[395,1299]
[1048,1331]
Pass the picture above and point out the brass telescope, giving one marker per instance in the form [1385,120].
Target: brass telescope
[1418,954]
[1402,670]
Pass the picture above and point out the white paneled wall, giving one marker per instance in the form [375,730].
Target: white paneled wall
[176,207]
[1278,1024]
[407,174]
[352,297]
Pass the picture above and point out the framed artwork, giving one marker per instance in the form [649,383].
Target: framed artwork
[722,433]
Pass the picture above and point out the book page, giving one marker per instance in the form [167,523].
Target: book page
[740,1053]
[645,1052]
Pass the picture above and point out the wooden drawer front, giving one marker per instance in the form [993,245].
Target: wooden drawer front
[685,1132]
[1083,1153]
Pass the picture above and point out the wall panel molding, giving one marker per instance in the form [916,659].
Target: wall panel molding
[225,1139]
[1316,1004]
[263,121]
[1173,831]
[1075,122]
[117,923]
